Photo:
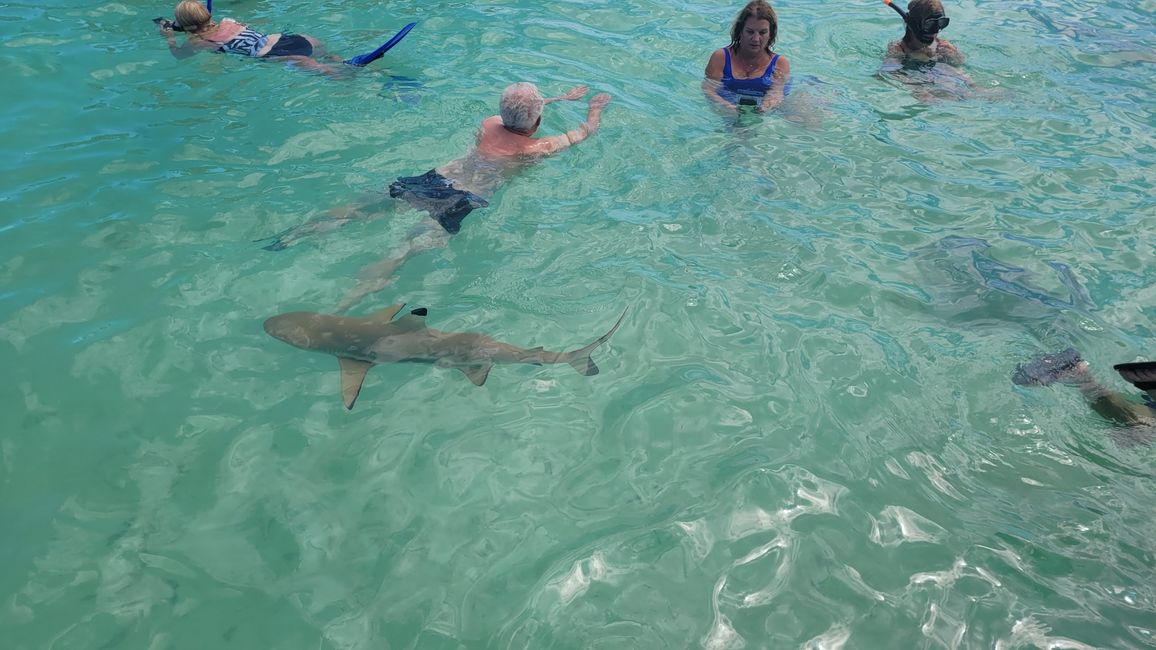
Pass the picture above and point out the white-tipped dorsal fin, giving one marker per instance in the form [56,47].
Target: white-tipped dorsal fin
[414,320]
[352,375]
[478,372]
[387,314]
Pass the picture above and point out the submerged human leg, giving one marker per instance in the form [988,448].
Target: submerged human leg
[1108,403]
[1068,368]
[373,207]
[426,235]
[312,65]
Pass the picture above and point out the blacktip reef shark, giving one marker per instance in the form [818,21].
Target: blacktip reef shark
[361,343]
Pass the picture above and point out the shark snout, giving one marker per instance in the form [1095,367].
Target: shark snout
[288,328]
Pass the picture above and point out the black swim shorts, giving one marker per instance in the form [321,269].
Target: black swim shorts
[436,195]
[291,45]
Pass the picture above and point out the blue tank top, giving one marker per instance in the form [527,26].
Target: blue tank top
[751,88]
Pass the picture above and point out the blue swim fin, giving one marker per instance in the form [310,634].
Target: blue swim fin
[365,59]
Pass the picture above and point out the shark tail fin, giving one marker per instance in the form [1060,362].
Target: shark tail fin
[279,242]
[580,359]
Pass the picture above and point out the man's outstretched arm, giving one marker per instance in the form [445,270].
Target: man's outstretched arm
[556,143]
[574,94]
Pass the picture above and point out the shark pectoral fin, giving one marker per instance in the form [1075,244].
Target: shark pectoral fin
[387,314]
[477,373]
[585,366]
[352,375]
[414,320]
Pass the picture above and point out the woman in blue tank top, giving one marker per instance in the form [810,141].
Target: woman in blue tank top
[747,71]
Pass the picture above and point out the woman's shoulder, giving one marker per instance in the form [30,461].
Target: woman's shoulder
[781,65]
[716,64]
[231,26]
[950,51]
[719,57]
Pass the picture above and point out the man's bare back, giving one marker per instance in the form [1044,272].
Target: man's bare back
[500,151]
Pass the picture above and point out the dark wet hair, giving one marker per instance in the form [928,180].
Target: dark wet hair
[761,10]
[918,10]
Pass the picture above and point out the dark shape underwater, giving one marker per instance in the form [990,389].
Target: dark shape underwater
[1047,369]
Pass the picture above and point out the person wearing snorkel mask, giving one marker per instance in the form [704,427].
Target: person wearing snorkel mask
[924,20]
[1135,422]
[231,37]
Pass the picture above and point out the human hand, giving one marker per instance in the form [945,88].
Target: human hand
[600,100]
[575,93]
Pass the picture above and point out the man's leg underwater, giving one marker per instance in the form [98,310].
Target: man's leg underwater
[425,236]
[374,206]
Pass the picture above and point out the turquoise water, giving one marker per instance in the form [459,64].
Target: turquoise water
[803,435]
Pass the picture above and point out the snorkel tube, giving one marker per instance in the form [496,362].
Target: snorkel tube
[920,31]
[886,2]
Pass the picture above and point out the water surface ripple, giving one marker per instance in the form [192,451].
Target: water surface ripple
[803,435]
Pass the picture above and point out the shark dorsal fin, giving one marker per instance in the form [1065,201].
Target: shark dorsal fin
[477,373]
[387,314]
[414,320]
[352,375]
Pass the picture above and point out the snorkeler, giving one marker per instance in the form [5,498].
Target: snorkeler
[747,71]
[231,37]
[1137,422]
[924,20]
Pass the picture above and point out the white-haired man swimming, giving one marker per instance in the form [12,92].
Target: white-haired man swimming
[505,144]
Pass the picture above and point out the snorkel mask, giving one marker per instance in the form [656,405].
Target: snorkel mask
[165,23]
[174,25]
[926,29]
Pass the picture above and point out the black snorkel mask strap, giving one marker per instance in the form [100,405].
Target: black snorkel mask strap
[920,33]
[174,25]
[169,24]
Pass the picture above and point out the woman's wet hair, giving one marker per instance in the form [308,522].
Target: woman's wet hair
[521,106]
[920,10]
[757,9]
[192,16]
